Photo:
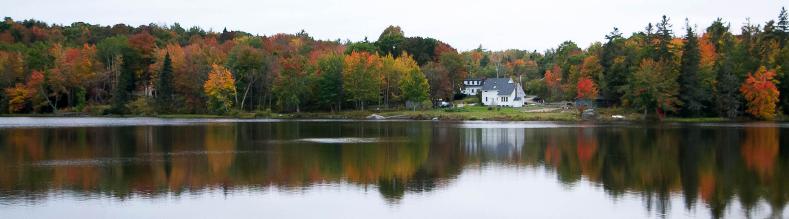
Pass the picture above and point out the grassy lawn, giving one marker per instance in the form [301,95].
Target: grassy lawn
[483,113]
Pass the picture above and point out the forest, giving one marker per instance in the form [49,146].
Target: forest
[167,69]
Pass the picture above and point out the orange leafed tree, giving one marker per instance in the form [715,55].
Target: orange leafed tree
[761,93]
[708,53]
[553,79]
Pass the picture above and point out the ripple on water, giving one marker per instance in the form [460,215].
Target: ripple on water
[340,140]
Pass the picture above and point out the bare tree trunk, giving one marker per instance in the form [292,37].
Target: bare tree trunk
[43,92]
[246,91]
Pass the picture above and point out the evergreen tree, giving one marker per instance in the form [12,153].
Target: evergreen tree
[691,93]
[783,78]
[613,75]
[728,97]
[122,92]
[164,87]
[663,35]
[717,31]
[783,26]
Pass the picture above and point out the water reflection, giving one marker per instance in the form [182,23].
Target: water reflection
[718,166]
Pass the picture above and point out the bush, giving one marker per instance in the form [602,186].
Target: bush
[142,106]
[263,113]
[96,110]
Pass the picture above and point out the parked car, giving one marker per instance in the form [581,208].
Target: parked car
[444,104]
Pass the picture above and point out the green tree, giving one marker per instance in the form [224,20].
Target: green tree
[248,65]
[391,74]
[456,71]
[414,86]
[783,77]
[330,87]
[111,52]
[361,75]
[122,92]
[390,41]
[291,84]
[727,95]
[691,93]
[164,86]
[652,87]
[363,46]
[614,70]
[663,36]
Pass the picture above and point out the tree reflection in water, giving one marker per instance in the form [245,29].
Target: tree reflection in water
[717,165]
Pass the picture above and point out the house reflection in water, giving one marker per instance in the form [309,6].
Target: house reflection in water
[503,144]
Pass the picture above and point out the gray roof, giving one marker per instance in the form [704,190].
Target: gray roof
[500,84]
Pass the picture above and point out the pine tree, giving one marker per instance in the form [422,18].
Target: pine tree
[727,87]
[122,92]
[691,93]
[783,26]
[164,87]
[664,36]
[613,79]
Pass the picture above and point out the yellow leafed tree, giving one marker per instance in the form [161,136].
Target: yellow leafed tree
[220,89]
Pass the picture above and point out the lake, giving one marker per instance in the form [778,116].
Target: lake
[225,168]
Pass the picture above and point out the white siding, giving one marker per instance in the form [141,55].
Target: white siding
[492,98]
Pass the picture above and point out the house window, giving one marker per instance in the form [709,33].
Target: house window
[503,99]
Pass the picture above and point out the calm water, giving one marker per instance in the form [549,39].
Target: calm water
[152,168]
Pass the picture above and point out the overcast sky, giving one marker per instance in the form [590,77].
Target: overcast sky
[464,24]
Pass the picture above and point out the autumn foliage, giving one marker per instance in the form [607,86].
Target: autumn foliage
[760,93]
[553,79]
[653,70]
[220,89]
[21,95]
[586,89]
[362,71]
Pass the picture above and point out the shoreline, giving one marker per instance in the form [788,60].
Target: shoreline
[423,115]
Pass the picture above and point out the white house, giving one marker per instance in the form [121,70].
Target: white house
[471,86]
[502,92]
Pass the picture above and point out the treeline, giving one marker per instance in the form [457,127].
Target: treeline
[702,73]
[168,69]
[154,69]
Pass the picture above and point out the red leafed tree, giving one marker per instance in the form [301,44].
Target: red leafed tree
[143,42]
[442,48]
[761,93]
[586,89]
